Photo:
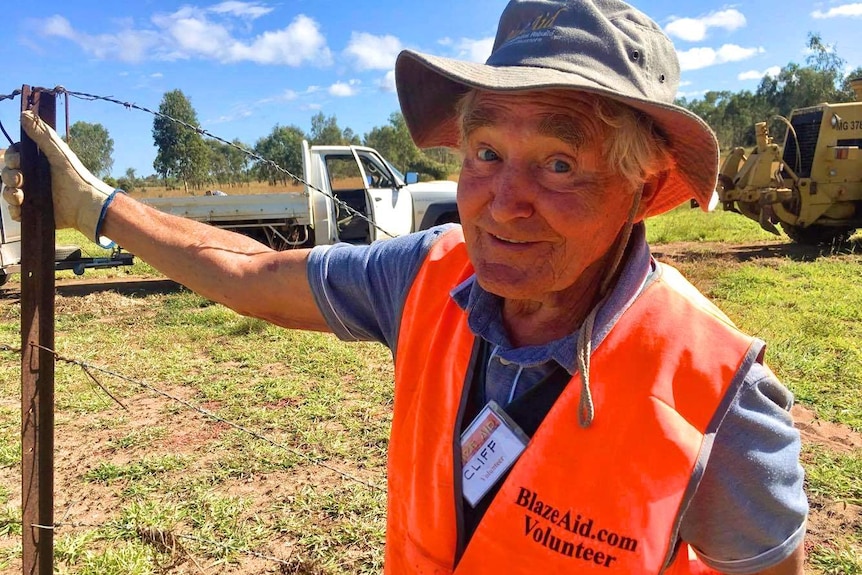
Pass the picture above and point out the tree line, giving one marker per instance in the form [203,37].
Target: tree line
[732,115]
[186,159]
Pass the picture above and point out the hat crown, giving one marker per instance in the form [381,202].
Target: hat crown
[605,41]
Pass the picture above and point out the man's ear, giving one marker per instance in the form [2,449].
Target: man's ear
[651,187]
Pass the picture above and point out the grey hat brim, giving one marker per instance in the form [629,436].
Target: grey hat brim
[429,88]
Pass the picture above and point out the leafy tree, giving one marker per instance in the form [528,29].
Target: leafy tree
[238,162]
[129,181]
[93,146]
[228,165]
[396,145]
[219,164]
[351,139]
[854,74]
[394,142]
[182,152]
[325,131]
[284,147]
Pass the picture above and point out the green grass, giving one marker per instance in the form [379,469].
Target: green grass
[148,468]
[832,561]
[685,224]
[835,476]
[810,313]
[161,471]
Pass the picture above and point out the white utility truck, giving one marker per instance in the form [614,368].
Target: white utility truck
[351,194]
[67,257]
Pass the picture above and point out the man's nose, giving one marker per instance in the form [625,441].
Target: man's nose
[513,194]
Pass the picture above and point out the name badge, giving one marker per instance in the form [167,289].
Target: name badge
[489,447]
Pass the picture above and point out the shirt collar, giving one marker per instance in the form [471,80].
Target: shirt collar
[485,320]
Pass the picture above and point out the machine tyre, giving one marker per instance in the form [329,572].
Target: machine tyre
[818,235]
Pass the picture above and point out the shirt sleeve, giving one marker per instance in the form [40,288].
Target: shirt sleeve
[361,289]
[749,511]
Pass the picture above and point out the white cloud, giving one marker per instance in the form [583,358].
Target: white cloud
[127,45]
[344,89]
[157,75]
[755,75]
[387,82]
[300,42]
[250,10]
[58,26]
[239,114]
[697,29]
[697,58]
[189,33]
[372,52]
[475,50]
[287,95]
[846,10]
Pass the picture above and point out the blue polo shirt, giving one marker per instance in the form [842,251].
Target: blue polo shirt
[749,511]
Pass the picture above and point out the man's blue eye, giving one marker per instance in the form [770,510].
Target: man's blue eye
[486,155]
[561,167]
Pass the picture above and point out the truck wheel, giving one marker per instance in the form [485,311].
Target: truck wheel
[4,277]
[818,235]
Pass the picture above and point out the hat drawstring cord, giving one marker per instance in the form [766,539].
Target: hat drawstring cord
[586,408]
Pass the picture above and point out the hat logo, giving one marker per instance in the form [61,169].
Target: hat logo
[536,29]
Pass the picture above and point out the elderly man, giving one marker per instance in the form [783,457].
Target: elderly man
[563,402]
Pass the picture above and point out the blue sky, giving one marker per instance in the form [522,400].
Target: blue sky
[247,66]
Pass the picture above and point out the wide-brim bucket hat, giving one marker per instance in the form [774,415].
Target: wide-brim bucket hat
[604,47]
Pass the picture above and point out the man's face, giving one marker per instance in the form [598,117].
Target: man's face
[539,206]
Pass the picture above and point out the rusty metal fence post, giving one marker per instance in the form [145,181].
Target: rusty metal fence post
[37,337]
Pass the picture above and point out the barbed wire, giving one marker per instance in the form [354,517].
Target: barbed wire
[88,367]
[12,96]
[60,90]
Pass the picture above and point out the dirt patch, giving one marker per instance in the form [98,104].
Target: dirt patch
[828,521]
[739,253]
[833,436]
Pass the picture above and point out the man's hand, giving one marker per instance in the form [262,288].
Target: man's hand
[80,198]
[13,180]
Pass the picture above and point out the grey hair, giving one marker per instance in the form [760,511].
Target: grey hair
[632,146]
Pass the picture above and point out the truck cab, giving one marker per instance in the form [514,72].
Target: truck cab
[358,196]
[351,194]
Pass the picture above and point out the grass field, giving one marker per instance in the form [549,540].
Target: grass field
[170,485]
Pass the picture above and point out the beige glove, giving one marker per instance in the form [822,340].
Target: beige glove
[12,180]
[80,198]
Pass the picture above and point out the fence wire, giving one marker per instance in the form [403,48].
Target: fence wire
[88,368]
[167,542]
[60,90]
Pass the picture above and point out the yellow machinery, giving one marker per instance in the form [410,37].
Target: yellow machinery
[813,187]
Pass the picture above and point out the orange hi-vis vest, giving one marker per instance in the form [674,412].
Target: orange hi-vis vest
[605,499]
